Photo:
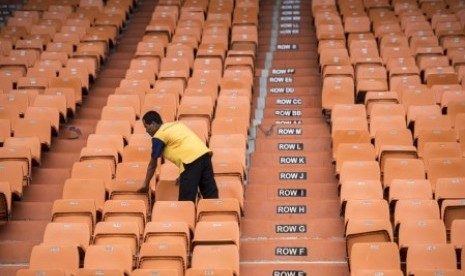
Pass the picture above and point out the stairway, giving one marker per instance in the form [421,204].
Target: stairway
[31,214]
[291,224]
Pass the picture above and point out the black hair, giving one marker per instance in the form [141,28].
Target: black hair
[151,117]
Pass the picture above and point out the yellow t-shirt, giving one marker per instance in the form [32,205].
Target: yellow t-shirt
[182,146]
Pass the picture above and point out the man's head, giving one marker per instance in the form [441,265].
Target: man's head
[152,122]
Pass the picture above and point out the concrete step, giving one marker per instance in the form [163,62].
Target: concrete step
[290,160]
[282,191]
[281,210]
[64,145]
[50,175]
[43,192]
[11,269]
[22,231]
[59,159]
[269,144]
[297,250]
[294,175]
[313,229]
[16,252]
[293,268]
[32,210]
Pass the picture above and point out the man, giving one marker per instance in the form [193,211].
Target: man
[178,144]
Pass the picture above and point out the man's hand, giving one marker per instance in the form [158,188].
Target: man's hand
[143,189]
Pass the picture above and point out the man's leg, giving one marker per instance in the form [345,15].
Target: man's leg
[189,181]
[207,184]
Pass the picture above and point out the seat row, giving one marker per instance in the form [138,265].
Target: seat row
[44,74]
[194,64]
[391,90]
[165,243]
[396,47]
[422,259]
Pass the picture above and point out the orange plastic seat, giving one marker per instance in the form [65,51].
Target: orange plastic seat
[175,211]
[34,127]
[111,127]
[63,257]
[5,201]
[359,170]
[380,256]
[227,209]
[216,256]
[337,90]
[166,255]
[103,257]
[430,256]
[354,152]
[126,211]
[117,233]
[169,232]
[75,234]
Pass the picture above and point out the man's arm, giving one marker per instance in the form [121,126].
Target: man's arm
[157,149]
[150,172]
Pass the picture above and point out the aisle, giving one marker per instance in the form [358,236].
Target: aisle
[291,224]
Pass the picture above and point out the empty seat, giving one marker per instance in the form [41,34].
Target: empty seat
[359,170]
[75,211]
[216,256]
[401,189]
[216,233]
[403,169]
[348,136]
[170,231]
[175,211]
[106,141]
[136,153]
[85,189]
[49,115]
[13,173]
[167,188]
[34,127]
[166,255]
[227,209]
[373,272]
[109,127]
[76,234]
[209,271]
[435,135]
[63,257]
[415,210]
[46,272]
[366,209]
[92,170]
[126,211]
[119,113]
[117,233]
[427,231]
[354,152]
[450,194]
[456,234]
[374,256]
[155,271]
[95,272]
[109,257]
[367,230]
[435,256]
[19,154]
[5,201]
[445,168]
[337,90]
